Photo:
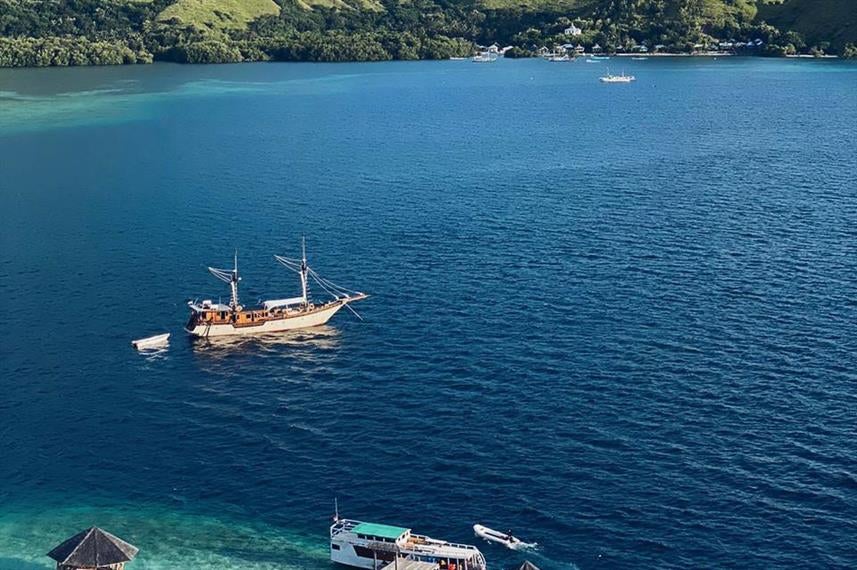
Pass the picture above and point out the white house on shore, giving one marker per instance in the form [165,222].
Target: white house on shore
[572,30]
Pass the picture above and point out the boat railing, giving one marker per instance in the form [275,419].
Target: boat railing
[430,541]
[342,525]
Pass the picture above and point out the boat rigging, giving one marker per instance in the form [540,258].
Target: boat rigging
[209,319]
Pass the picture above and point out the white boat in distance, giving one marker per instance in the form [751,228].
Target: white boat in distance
[484,57]
[370,545]
[506,539]
[209,319]
[617,78]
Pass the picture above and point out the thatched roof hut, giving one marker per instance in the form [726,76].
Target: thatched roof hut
[93,549]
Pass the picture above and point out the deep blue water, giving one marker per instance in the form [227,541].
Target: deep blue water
[618,319]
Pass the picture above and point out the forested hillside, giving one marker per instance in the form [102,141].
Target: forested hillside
[818,21]
[98,32]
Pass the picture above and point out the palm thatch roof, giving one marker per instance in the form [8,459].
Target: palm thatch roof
[93,548]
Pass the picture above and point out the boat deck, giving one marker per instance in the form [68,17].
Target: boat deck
[442,549]
[404,564]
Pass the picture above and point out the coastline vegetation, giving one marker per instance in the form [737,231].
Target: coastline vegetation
[114,32]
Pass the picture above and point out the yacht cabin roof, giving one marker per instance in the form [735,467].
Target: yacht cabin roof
[380,530]
[209,306]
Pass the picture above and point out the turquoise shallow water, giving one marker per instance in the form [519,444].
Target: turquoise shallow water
[617,319]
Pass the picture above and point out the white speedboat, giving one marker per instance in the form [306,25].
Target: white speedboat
[506,539]
[617,78]
[559,58]
[371,545]
[151,341]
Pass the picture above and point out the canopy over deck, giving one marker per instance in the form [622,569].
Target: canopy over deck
[380,530]
[275,303]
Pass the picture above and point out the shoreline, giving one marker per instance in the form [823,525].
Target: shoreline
[724,54]
[695,54]
[712,55]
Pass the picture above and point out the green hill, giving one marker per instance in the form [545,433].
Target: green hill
[218,14]
[833,21]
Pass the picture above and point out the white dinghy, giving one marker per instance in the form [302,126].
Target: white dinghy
[151,341]
[506,539]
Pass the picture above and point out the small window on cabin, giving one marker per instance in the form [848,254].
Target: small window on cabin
[334,546]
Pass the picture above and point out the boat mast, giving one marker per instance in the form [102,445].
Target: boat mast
[233,284]
[304,271]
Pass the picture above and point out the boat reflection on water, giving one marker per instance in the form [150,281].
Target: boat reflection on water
[153,354]
[303,344]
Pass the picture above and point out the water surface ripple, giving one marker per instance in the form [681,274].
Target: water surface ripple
[617,319]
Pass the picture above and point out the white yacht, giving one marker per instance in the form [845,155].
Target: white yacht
[373,546]
[617,78]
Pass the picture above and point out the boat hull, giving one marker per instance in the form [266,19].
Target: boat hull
[356,556]
[300,321]
[345,554]
[151,342]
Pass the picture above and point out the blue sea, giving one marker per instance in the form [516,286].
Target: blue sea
[616,319]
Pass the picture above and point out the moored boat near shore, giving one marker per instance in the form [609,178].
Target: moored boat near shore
[484,57]
[370,545]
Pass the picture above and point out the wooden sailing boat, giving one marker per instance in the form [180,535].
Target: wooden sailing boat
[208,319]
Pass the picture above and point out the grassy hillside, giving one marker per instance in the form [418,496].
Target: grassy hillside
[218,14]
[574,6]
[370,5]
[834,21]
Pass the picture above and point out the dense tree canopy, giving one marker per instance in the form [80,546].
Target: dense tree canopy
[100,32]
